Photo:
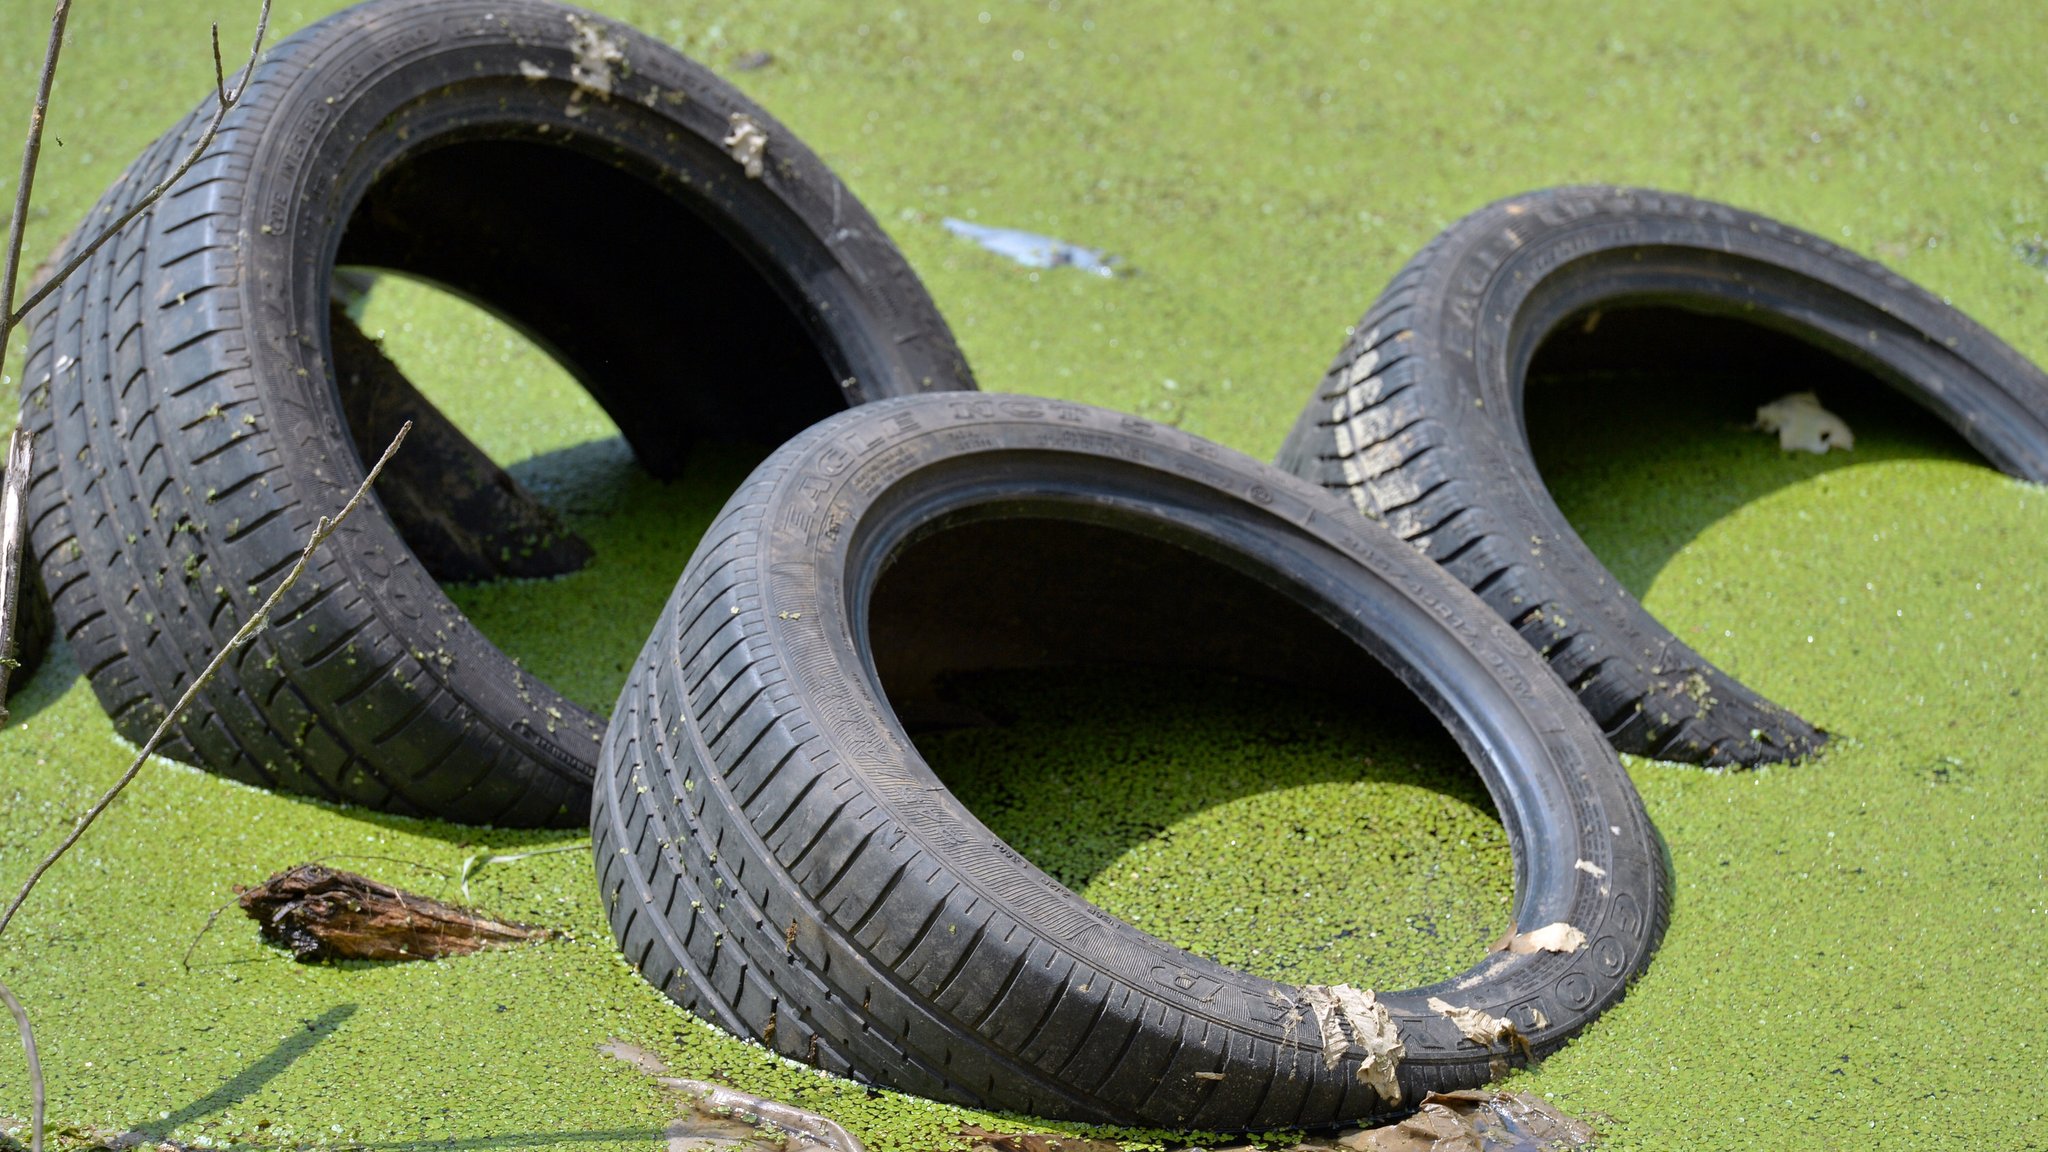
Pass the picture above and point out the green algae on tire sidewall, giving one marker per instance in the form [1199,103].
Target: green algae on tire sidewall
[1420,422]
[555,167]
[776,856]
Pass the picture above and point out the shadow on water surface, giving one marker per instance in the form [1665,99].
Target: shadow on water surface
[51,679]
[580,632]
[1642,431]
[258,1074]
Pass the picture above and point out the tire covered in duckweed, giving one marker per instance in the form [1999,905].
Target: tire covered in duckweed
[776,856]
[1420,420]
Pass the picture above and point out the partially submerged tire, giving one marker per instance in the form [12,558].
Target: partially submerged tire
[1420,420]
[777,857]
[561,170]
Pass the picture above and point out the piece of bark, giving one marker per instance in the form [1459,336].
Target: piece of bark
[323,914]
[462,515]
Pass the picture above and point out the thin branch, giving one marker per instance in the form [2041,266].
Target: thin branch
[220,85]
[36,1099]
[481,860]
[9,269]
[29,156]
[247,632]
[225,100]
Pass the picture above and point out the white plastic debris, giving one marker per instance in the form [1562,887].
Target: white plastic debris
[1803,425]
[1032,250]
[746,143]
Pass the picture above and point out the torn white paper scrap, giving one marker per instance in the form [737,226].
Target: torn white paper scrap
[1476,1025]
[1558,937]
[747,143]
[1372,1029]
[1803,425]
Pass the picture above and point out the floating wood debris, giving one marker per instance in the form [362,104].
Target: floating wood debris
[324,914]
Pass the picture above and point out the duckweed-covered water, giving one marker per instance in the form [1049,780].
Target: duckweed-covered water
[1856,943]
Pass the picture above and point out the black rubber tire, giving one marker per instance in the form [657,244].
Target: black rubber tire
[192,431]
[777,857]
[1420,422]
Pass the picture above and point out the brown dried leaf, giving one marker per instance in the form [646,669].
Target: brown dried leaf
[1372,1029]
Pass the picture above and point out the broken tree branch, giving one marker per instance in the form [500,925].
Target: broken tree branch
[247,632]
[320,913]
[225,99]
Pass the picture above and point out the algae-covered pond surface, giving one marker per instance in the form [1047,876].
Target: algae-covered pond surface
[1857,943]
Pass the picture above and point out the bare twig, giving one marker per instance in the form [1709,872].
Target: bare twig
[247,632]
[35,1068]
[481,860]
[29,155]
[225,99]
[9,269]
[11,316]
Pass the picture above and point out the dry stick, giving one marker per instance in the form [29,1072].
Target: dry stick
[29,156]
[247,632]
[225,99]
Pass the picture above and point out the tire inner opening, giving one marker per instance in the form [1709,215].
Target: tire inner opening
[578,630]
[1192,751]
[1641,419]
[609,365]
[676,331]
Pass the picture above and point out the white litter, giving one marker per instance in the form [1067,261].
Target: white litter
[1803,425]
